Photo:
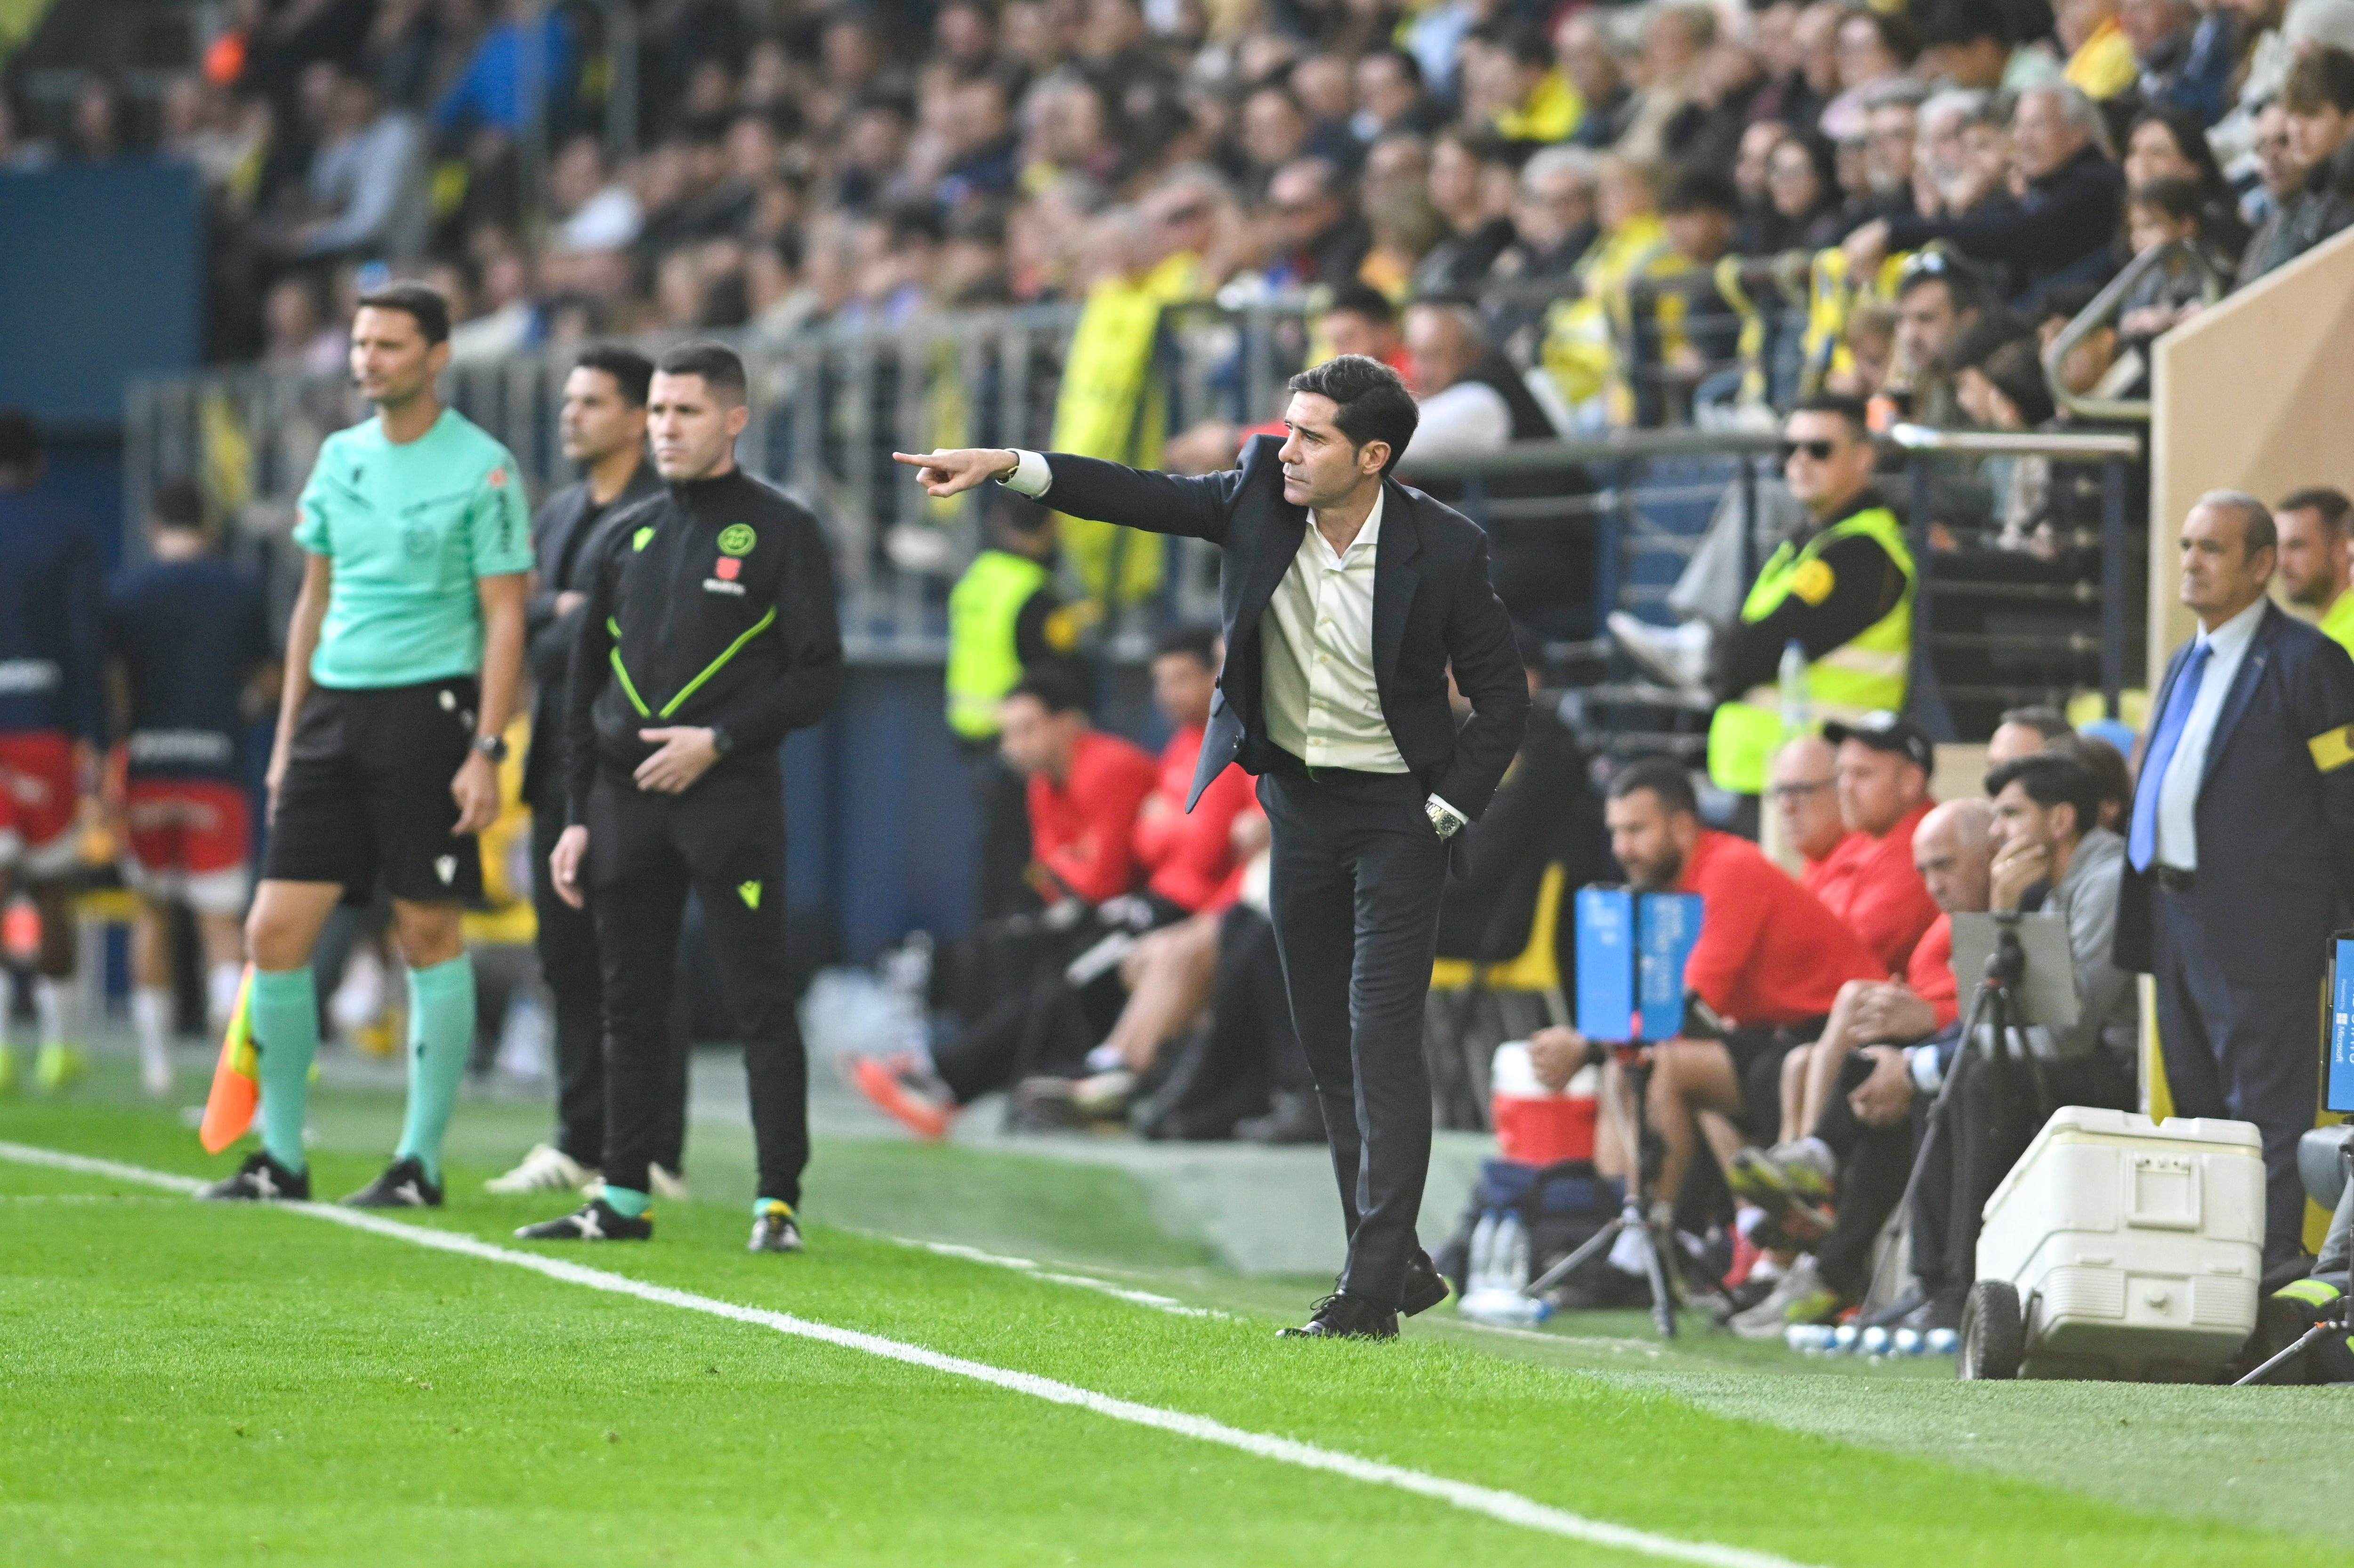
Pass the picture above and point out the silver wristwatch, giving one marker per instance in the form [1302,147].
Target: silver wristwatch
[1447,823]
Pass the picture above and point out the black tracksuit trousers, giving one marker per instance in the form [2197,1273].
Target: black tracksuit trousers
[724,839]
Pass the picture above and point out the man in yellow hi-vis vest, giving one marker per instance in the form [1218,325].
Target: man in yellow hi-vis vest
[1003,617]
[1841,588]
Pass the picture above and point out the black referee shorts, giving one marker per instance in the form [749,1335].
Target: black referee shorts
[365,800]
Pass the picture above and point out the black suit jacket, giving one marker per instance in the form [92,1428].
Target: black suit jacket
[2276,828]
[560,557]
[1432,606]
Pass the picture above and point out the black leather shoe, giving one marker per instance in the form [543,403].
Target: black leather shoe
[1425,1287]
[1341,1316]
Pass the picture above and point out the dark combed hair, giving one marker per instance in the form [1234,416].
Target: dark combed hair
[177,504]
[1198,643]
[1057,690]
[1699,190]
[2052,779]
[2332,504]
[1370,400]
[422,302]
[1663,776]
[721,367]
[631,372]
[1851,409]
[1362,300]
[2177,197]
[2106,764]
[2044,720]
[2324,79]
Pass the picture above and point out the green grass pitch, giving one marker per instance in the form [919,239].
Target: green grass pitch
[186,1383]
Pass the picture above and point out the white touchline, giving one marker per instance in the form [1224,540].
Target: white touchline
[1509,1508]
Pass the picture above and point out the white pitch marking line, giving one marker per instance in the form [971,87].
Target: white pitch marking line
[1508,1508]
[1037,1270]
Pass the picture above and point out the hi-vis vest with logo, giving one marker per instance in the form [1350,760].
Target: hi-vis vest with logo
[982,663]
[1866,672]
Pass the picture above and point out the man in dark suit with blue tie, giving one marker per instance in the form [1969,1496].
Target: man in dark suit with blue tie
[1346,597]
[2240,857]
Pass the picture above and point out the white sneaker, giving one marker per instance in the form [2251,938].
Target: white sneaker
[1675,654]
[1769,1318]
[545,1169]
[667,1184]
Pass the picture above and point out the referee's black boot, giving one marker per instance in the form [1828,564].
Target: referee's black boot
[261,1179]
[403,1185]
[1341,1316]
[594,1221]
[1425,1287]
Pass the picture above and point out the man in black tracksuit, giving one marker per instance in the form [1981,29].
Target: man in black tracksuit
[603,429]
[709,632]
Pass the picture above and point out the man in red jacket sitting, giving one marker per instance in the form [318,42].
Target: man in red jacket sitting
[1769,963]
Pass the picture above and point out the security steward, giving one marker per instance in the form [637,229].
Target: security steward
[1004,619]
[602,425]
[1842,589]
[708,635]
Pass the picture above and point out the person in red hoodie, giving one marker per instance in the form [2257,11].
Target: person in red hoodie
[1086,789]
[1884,763]
[1769,964]
[1189,858]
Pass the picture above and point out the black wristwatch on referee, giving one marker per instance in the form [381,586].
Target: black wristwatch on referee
[494,747]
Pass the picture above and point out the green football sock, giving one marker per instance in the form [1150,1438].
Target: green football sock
[285,1017]
[440,1035]
[627,1201]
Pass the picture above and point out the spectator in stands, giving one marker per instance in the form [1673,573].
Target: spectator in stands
[1804,194]
[1875,47]
[365,192]
[1555,221]
[2023,732]
[1842,1147]
[1884,763]
[2185,58]
[1464,411]
[2319,101]
[2165,144]
[1462,188]
[495,92]
[2066,215]
[1391,98]
[2316,558]
[1582,41]
[1769,964]
[1939,297]
[2158,213]
[2046,859]
[1804,795]
[1891,135]
[1318,238]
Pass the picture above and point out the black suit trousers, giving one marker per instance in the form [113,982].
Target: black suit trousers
[1353,888]
[2241,1047]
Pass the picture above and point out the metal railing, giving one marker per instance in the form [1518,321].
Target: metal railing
[1582,526]
[2175,258]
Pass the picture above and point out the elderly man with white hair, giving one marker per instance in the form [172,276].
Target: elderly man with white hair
[2062,223]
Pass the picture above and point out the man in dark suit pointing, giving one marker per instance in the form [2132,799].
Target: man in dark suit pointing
[1346,595]
[2240,850]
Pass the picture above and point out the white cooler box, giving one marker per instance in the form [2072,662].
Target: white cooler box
[2119,1247]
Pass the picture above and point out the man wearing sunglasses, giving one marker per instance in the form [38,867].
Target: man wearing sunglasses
[1841,588]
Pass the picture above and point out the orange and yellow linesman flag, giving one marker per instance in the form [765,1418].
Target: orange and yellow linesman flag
[236,1078]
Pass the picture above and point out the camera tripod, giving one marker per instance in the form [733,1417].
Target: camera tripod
[1662,1255]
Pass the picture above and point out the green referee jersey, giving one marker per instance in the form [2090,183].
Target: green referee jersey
[408,527]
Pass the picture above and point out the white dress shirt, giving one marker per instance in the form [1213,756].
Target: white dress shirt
[2178,793]
[1322,703]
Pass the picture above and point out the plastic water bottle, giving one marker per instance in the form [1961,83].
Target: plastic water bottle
[1513,1238]
[1873,1341]
[1807,1339]
[1843,1338]
[1942,1342]
[1796,711]
[1906,1341]
[1480,1273]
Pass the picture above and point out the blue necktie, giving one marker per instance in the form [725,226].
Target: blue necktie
[2143,847]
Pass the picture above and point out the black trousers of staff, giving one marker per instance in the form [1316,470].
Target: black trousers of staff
[1354,883]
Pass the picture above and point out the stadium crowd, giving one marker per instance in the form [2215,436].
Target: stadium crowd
[804,163]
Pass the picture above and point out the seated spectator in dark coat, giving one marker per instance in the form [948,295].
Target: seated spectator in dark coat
[2318,98]
[2186,58]
[2064,224]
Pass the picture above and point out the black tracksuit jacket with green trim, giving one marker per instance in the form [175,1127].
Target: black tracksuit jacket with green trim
[710,604]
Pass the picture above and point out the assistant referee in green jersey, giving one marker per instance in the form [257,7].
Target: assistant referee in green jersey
[401,664]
